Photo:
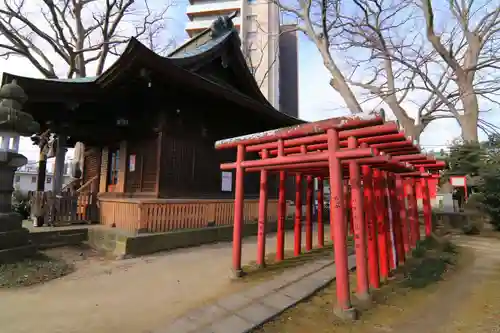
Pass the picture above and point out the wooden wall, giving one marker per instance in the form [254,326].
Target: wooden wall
[91,167]
[144,177]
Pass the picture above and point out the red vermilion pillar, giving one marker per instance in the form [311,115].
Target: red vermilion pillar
[344,306]
[403,216]
[238,211]
[358,221]
[348,207]
[280,232]
[389,215]
[414,210]
[309,211]
[380,215]
[261,233]
[371,224]
[410,196]
[426,203]
[298,216]
[321,227]
[396,219]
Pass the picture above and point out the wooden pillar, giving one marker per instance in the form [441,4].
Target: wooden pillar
[57,182]
[122,167]
[103,182]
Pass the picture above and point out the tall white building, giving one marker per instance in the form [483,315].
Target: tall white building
[259,26]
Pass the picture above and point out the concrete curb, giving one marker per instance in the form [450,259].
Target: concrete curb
[244,311]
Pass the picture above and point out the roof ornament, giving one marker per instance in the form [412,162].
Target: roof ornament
[221,25]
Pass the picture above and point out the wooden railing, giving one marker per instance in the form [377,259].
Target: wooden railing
[161,215]
[65,208]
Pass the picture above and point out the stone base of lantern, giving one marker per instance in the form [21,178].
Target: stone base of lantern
[14,239]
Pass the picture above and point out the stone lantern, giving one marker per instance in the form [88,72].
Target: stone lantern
[14,123]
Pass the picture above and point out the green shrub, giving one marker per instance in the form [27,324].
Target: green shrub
[481,161]
[418,251]
[23,208]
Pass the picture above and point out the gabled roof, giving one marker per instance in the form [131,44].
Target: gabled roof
[189,64]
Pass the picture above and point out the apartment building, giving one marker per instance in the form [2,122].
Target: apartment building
[25,178]
[263,39]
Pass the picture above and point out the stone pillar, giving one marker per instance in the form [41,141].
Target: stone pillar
[14,239]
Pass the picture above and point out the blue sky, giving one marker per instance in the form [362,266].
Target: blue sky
[317,100]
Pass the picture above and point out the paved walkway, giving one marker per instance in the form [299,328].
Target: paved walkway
[129,296]
[243,311]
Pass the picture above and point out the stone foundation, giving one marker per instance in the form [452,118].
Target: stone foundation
[121,244]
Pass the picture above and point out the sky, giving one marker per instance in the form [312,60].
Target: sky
[317,100]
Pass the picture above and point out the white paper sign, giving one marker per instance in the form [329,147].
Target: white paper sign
[227,181]
[457,181]
[131,163]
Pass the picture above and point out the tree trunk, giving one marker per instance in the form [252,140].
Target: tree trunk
[343,89]
[468,125]
[468,121]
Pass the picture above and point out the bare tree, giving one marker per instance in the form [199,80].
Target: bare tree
[370,33]
[362,34]
[389,57]
[261,52]
[474,57]
[76,34]
[316,19]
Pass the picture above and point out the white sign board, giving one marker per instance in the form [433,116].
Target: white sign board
[131,163]
[457,181]
[227,181]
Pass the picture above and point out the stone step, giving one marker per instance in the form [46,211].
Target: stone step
[16,253]
[61,240]
[14,238]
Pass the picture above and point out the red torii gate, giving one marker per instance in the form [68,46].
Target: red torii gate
[366,150]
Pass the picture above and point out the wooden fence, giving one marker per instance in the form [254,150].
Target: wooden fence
[161,215]
[65,208]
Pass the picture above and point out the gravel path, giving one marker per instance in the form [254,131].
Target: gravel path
[128,296]
[470,303]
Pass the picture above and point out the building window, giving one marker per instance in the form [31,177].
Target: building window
[251,36]
[33,179]
[252,23]
[17,179]
[114,161]
[252,1]
[48,180]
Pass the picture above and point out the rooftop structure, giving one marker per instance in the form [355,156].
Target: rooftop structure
[269,50]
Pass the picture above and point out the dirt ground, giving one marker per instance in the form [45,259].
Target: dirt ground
[466,300]
[128,296]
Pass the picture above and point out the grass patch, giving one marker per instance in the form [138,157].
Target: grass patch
[36,269]
[392,303]
[253,272]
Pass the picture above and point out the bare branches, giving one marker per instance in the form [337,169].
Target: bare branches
[320,31]
[423,64]
[258,45]
[478,52]
[78,34]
